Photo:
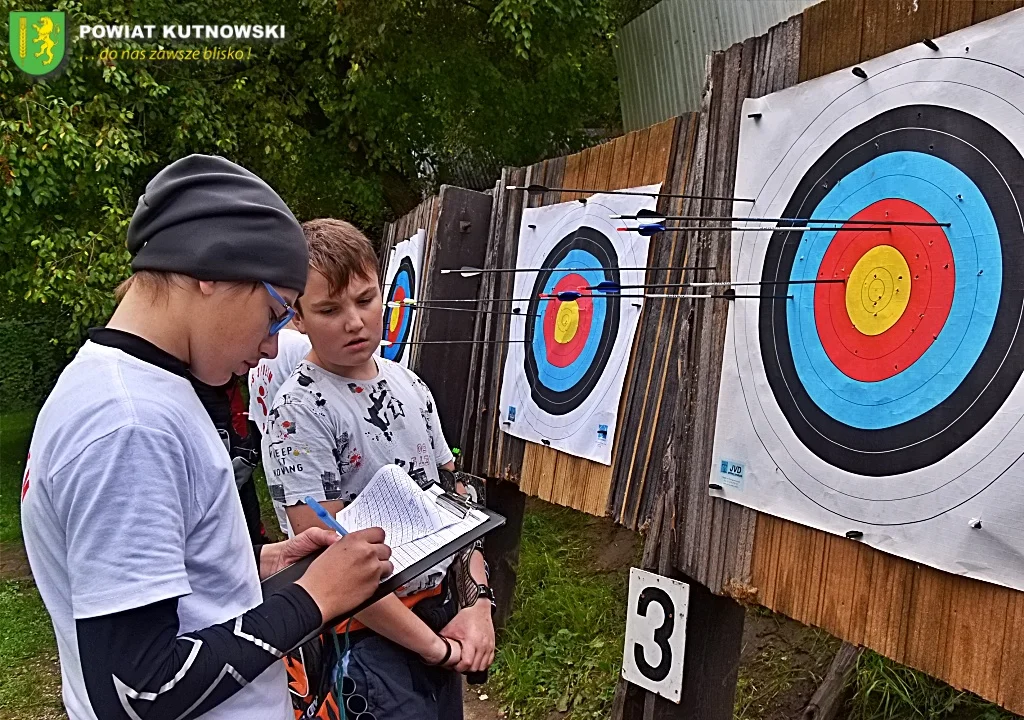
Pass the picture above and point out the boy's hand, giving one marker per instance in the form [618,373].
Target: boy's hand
[348,572]
[472,627]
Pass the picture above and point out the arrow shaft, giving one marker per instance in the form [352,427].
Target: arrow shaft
[627,192]
[723,283]
[464,310]
[700,218]
[719,228]
[490,271]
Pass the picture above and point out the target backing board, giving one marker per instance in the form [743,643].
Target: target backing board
[402,281]
[567,359]
[887,405]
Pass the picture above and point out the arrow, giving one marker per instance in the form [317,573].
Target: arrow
[465,310]
[650,229]
[650,214]
[726,295]
[535,189]
[611,287]
[467,271]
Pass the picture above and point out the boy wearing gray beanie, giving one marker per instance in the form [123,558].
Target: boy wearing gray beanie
[132,524]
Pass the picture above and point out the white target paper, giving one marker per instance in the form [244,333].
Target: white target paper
[401,281]
[566,363]
[890,403]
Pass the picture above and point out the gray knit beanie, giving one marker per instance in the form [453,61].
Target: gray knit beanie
[208,218]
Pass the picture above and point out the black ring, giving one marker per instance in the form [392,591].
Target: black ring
[955,137]
[560,402]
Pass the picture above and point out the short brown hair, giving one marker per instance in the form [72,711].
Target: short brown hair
[339,252]
[153,280]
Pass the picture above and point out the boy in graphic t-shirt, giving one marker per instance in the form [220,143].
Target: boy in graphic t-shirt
[342,415]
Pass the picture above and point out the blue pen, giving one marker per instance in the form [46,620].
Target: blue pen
[325,517]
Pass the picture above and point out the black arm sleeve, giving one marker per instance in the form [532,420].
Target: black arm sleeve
[136,665]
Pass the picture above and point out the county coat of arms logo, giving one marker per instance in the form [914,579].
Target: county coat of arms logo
[38,41]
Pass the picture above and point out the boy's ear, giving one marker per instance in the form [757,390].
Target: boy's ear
[297,319]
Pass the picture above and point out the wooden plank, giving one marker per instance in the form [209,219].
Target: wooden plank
[841,34]
[460,239]
[873,35]
[954,15]
[910,23]
[811,41]
[1011,680]
[988,9]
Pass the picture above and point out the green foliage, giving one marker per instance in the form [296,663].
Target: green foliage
[29,678]
[15,434]
[31,360]
[363,108]
[886,690]
[562,647]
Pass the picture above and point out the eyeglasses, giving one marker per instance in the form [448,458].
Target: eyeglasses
[279,321]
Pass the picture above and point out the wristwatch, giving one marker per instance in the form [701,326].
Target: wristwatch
[484,591]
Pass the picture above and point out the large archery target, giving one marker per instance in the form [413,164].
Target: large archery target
[890,403]
[401,282]
[563,376]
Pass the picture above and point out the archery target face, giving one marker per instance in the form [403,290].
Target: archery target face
[564,372]
[400,283]
[890,398]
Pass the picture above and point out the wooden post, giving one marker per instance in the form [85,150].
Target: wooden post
[714,634]
[502,546]
[460,239]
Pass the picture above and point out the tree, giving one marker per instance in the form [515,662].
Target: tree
[363,108]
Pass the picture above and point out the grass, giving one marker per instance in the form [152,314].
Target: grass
[29,675]
[562,647]
[15,433]
[885,690]
[791,658]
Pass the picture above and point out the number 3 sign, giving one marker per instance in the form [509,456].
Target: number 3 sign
[655,633]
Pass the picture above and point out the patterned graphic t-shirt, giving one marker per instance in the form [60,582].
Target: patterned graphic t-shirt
[327,435]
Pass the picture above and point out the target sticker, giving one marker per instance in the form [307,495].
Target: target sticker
[565,368]
[884,391]
[400,285]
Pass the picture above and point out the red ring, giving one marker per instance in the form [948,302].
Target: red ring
[871,358]
[565,354]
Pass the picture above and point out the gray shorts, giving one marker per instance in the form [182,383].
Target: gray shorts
[396,685]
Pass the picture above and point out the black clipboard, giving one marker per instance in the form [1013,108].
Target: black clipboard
[283,578]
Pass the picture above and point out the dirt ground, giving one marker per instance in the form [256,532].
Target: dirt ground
[13,562]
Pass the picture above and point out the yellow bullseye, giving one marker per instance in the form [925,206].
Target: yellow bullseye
[567,322]
[878,290]
[396,315]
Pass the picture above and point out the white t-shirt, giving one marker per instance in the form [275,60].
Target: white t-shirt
[266,378]
[328,435]
[130,500]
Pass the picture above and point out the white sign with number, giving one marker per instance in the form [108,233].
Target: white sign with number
[655,633]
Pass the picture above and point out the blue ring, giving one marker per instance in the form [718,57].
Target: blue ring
[974,240]
[557,378]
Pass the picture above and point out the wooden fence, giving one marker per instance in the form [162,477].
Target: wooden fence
[963,631]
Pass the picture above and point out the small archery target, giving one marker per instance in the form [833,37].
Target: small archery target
[571,341]
[400,285]
[563,376]
[398,315]
[877,380]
